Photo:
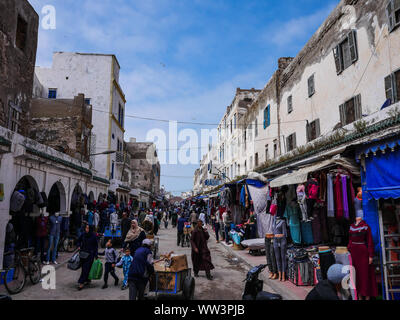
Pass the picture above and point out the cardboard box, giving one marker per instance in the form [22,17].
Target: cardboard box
[178,263]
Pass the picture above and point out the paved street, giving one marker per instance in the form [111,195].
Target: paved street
[227,284]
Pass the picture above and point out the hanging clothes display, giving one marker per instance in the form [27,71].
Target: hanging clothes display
[330,197]
[292,215]
[338,197]
[344,197]
[264,221]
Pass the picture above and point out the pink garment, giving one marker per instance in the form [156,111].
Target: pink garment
[301,188]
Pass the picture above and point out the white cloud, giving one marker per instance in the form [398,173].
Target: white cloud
[297,28]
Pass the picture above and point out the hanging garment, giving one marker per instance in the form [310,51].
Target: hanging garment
[316,225]
[270,255]
[243,196]
[306,233]
[338,197]
[301,198]
[330,197]
[293,217]
[312,189]
[322,186]
[361,248]
[264,221]
[345,200]
[17,201]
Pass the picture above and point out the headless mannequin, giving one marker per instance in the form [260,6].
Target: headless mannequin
[278,237]
[272,275]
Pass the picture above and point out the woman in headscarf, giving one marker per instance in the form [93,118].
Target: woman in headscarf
[134,237]
[87,245]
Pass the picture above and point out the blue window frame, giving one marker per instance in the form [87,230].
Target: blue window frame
[52,93]
[267,116]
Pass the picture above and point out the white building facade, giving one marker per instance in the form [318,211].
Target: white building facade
[97,75]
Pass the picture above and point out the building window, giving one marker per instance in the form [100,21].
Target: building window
[14,117]
[256,160]
[256,127]
[87,101]
[392,87]
[121,115]
[313,130]
[234,121]
[311,86]
[22,33]
[266,152]
[231,127]
[267,116]
[351,110]
[291,142]
[346,52]
[52,93]
[112,170]
[290,104]
[393,14]
[275,148]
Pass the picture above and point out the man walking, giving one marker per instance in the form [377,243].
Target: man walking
[201,256]
[140,270]
[180,228]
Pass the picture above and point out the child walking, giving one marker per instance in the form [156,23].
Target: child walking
[111,259]
[125,262]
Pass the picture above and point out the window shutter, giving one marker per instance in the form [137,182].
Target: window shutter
[352,37]
[311,86]
[268,115]
[337,53]
[265,118]
[294,141]
[396,7]
[357,107]
[287,144]
[308,132]
[342,112]
[317,128]
[390,15]
[389,88]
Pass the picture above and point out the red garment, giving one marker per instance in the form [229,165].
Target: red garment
[338,198]
[361,248]
[41,226]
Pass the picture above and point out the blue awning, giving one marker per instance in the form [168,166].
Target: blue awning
[384,145]
[255,183]
[382,170]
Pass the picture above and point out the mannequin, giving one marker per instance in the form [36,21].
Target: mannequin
[280,246]
[270,255]
[301,199]
[54,236]
[361,248]
[41,235]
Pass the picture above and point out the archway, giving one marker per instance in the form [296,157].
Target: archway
[22,215]
[91,196]
[100,198]
[56,199]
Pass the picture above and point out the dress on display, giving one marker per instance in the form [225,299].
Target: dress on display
[361,248]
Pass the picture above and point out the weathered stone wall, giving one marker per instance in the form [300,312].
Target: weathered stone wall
[16,65]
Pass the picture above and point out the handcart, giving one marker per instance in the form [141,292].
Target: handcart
[173,283]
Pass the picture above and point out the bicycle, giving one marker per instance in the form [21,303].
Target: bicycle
[25,264]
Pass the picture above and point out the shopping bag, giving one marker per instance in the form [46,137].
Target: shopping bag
[75,262]
[96,272]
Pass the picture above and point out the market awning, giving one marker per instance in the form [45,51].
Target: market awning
[301,175]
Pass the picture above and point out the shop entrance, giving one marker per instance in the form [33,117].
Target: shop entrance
[22,219]
[56,199]
[389,219]
[91,196]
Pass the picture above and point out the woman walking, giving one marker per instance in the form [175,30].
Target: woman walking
[87,246]
[134,237]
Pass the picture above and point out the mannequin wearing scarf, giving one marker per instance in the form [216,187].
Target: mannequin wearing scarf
[134,237]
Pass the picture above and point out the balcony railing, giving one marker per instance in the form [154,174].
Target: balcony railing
[123,157]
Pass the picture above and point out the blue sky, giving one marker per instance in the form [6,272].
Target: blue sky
[183,59]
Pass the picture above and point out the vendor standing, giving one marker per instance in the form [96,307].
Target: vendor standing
[201,256]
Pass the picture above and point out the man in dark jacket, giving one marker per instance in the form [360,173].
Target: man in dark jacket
[331,289]
[140,270]
[181,226]
[125,225]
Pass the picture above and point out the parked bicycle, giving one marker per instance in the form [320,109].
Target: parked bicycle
[25,264]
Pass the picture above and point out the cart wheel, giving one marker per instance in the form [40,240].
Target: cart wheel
[188,288]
